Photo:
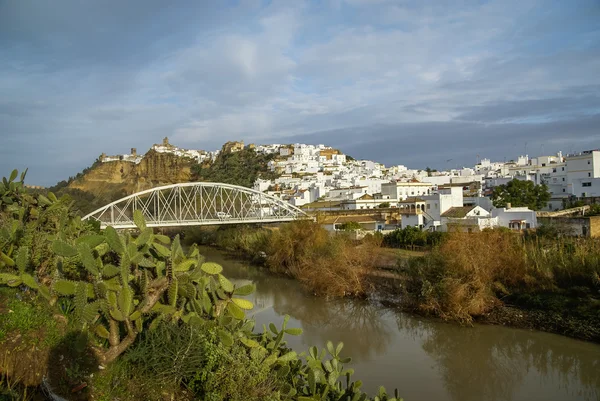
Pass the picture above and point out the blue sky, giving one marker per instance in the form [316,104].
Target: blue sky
[401,82]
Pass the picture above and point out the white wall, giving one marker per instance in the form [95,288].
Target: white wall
[402,190]
[585,165]
[588,186]
[483,201]
[413,220]
[437,180]
[517,213]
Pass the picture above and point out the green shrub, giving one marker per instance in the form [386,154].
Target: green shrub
[413,236]
[181,320]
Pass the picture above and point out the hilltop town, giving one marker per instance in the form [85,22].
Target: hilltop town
[321,178]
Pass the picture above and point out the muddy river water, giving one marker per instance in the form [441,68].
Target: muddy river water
[425,359]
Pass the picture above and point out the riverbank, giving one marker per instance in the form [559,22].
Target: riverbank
[435,284]
[385,291]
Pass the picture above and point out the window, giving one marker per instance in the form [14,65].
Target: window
[586,184]
[436,205]
[554,170]
[589,174]
[428,206]
[563,178]
[543,164]
[528,225]
[550,206]
[563,169]
[589,162]
[564,190]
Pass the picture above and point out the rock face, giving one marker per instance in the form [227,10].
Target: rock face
[125,178]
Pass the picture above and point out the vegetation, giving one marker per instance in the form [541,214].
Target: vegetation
[384,205]
[469,274]
[521,193]
[429,170]
[135,301]
[350,226]
[238,168]
[412,236]
[327,265]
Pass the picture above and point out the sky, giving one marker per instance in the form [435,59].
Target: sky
[422,83]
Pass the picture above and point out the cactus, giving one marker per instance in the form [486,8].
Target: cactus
[122,284]
[132,283]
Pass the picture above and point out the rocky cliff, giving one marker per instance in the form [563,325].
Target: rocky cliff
[118,178]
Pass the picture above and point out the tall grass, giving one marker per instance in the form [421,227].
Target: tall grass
[332,265]
[469,274]
[326,264]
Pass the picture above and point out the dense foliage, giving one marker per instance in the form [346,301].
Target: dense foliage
[325,264]
[412,236]
[349,226]
[238,168]
[135,297]
[469,274]
[521,193]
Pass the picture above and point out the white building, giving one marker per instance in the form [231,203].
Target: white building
[440,202]
[515,218]
[582,165]
[467,218]
[403,190]
[586,187]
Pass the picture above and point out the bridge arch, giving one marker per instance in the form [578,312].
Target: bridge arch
[196,204]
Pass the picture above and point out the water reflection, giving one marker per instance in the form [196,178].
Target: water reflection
[491,363]
[351,321]
[428,359]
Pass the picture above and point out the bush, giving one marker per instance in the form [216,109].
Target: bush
[412,236]
[350,226]
[468,274]
[325,264]
[129,285]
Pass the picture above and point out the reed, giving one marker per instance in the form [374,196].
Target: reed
[469,274]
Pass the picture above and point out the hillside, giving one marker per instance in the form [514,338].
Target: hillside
[124,178]
[105,182]
[238,168]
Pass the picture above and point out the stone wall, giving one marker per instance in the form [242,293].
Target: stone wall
[585,226]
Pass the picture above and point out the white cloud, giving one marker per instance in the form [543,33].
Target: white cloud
[212,74]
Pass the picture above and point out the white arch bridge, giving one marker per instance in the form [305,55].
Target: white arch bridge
[196,204]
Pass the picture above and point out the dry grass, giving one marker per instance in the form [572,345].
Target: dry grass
[331,265]
[468,274]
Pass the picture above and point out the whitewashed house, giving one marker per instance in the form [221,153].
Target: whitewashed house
[438,203]
[403,190]
[515,218]
[467,219]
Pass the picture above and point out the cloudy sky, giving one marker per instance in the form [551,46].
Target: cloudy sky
[401,82]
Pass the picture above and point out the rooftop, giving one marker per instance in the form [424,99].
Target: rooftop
[322,204]
[458,212]
[412,200]
[347,219]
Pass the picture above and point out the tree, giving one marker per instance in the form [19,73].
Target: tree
[521,193]
[350,226]
[384,205]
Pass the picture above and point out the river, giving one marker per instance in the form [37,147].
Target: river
[425,359]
